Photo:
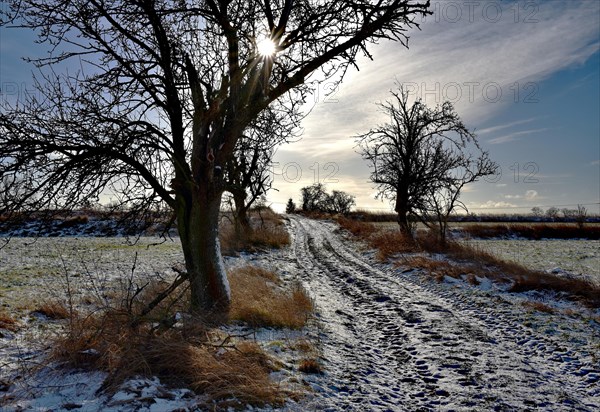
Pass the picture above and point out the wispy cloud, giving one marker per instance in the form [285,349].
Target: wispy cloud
[505,126]
[514,136]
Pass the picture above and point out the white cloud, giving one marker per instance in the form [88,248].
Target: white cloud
[531,195]
[492,204]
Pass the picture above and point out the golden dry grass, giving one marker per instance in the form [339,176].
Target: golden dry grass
[538,306]
[7,322]
[229,371]
[310,365]
[53,310]
[470,261]
[190,354]
[257,299]
[267,231]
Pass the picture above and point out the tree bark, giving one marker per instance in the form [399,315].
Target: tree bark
[402,211]
[198,224]
[241,211]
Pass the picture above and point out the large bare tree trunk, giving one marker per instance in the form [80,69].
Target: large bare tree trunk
[198,224]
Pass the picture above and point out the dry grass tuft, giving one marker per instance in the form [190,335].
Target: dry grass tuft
[438,269]
[179,350]
[7,322]
[362,230]
[310,365]
[258,300]
[391,242]
[53,310]
[538,306]
[267,231]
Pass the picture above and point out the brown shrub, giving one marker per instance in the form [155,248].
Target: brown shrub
[257,300]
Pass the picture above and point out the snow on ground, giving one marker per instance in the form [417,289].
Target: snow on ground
[390,339]
[576,257]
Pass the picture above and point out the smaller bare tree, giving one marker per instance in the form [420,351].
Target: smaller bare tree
[443,199]
[581,216]
[339,202]
[420,158]
[314,197]
[249,173]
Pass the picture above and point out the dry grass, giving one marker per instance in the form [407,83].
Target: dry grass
[438,269]
[470,261]
[267,231]
[53,310]
[184,350]
[391,242]
[7,322]
[229,371]
[538,306]
[362,230]
[186,356]
[310,365]
[257,299]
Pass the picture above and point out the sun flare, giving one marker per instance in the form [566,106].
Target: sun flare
[266,47]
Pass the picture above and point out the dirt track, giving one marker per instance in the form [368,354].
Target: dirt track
[393,343]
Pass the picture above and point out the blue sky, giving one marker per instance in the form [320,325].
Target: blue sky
[523,74]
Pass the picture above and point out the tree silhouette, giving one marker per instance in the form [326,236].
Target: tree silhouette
[420,159]
[160,92]
[249,172]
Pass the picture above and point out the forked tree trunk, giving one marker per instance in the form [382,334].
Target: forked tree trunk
[198,224]
[242,220]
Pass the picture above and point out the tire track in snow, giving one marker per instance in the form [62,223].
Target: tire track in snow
[391,344]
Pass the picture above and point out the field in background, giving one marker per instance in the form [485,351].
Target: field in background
[578,257]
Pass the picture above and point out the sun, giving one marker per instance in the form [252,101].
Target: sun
[266,47]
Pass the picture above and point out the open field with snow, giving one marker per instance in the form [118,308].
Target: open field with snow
[577,257]
[390,337]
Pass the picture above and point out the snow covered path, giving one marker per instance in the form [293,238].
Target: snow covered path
[391,344]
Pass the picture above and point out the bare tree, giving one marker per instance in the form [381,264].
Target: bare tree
[339,202]
[314,198]
[249,172]
[417,156]
[164,92]
[443,198]
[553,213]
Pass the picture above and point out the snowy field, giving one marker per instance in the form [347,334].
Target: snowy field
[577,257]
[391,339]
